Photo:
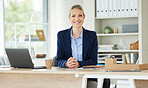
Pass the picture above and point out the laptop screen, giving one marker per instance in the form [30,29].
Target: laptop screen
[19,58]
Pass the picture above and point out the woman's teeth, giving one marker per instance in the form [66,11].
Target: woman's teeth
[77,22]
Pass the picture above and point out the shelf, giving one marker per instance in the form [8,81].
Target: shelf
[32,41]
[103,18]
[119,34]
[139,17]
[37,41]
[121,51]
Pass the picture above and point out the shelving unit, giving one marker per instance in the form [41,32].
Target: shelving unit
[119,34]
[35,46]
[115,17]
[120,51]
[127,38]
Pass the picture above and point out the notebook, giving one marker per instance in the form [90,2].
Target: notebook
[20,58]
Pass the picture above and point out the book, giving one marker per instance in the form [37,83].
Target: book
[31,36]
[40,55]
[108,47]
[101,64]
[32,39]
[127,58]
[133,57]
[102,57]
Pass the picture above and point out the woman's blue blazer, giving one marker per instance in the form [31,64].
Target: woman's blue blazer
[89,52]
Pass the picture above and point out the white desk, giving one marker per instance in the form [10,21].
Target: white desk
[131,76]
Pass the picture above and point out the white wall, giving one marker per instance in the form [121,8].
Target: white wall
[63,7]
[89,10]
[53,28]
[58,18]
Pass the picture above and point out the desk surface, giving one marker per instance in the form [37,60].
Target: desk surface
[40,78]
[57,70]
[28,78]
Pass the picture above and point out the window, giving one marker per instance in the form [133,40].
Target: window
[19,14]
[22,11]
[1,28]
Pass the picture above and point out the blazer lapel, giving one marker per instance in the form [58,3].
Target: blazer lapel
[85,43]
[67,42]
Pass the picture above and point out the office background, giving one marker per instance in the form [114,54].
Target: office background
[57,16]
[55,12]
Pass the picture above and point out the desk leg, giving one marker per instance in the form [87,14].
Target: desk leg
[84,82]
[132,83]
[100,82]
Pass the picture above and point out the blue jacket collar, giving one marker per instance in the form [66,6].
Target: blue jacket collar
[85,42]
[85,34]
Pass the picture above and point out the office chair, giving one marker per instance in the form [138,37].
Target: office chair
[54,64]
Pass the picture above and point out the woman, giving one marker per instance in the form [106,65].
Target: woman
[76,46]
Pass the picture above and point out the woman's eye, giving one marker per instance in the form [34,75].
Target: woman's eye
[80,15]
[73,16]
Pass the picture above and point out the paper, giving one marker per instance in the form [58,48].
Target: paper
[121,45]
[39,69]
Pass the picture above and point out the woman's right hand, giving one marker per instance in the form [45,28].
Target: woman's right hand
[72,63]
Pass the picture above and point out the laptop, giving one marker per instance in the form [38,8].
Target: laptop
[20,58]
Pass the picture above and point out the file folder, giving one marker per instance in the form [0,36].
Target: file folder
[98,8]
[136,7]
[110,9]
[123,8]
[131,11]
[114,8]
[118,8]
[127,7]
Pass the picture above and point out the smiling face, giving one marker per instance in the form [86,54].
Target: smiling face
[77,18]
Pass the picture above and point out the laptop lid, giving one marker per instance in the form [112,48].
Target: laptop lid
[19,58]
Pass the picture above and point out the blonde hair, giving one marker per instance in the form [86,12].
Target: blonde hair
[76,7]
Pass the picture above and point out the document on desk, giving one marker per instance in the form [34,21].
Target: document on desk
[74,69]
[5,68]
[123,70]
[39,69]
[81,69]
[93,66]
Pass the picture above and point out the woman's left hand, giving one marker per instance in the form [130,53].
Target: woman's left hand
[72,63]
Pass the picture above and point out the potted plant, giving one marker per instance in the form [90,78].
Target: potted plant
[108,30]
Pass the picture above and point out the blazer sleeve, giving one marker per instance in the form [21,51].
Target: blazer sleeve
[91,59]
[60,58]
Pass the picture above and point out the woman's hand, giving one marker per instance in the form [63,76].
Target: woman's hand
[72,63]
